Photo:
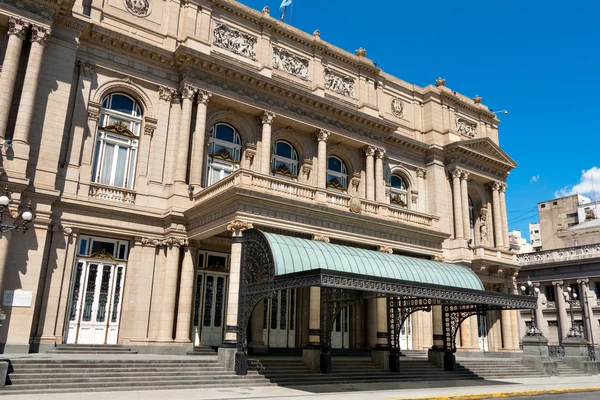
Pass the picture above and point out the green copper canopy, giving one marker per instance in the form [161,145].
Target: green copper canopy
[291,255]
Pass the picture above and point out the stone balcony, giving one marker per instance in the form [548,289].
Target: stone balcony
[286,189]
[568,254]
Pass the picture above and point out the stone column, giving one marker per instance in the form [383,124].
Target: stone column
[458,219]
[379,182]
[507,331]
[237,227]
[437,320]
[421,175]
[63,242]
[504,216]
[157,291]
[516,335]
[370,177]
[186,294]
[84,86]
[464,199]
[4,246]
[39,36]
[474,336]
[314,321]
[322,136]
[586,307]
[157,165]
[169,294]
[371,323]
[465,334]
[265,156]
[198,141]
[17,31]
[172,137]
[382,322]
[564,323]
[498,236]
[183,142]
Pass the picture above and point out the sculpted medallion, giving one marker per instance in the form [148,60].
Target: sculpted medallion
[397,108]
[139,8]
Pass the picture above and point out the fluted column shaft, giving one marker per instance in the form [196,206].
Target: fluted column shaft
[265,158]
[421,173]
[198,142]
[503,214]
[458,219]
[186,294]
[183,142]
[561,309]
[17,31]
[39,36]
[495,187]
[379,183]
[322,136]
[169,294]
[172,137]
[464,199]
[370,173]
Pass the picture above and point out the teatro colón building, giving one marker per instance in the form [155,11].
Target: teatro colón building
[199,173]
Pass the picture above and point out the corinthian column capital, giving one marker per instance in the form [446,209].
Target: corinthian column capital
[502,187]
[86,68]
[370,151]
[237,226]
[379,153]
[456,173]
[203,96]
[188,91]
[40,34]
[267,118]
[421,173]
[494,186]
[322,135]
[18,27]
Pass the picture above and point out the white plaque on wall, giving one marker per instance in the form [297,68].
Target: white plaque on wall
[17,298]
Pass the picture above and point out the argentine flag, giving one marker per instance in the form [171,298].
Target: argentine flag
[284,4]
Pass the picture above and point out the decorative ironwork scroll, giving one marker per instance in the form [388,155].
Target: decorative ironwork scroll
[453,316]
[399,309]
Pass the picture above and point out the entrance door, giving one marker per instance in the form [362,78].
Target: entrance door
[482,329]
[209,313]
[406,334]
[95,302]
[340,337]
[279,322]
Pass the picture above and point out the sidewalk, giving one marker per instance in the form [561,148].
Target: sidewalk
[382,391]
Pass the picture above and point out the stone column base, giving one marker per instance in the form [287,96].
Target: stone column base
[381,358]
[226,357]
[312,358]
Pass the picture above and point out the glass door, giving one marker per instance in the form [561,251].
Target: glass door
[279,322]
[340,336]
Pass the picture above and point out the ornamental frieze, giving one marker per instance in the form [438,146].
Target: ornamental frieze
[235,41]
[292,64]
[339,83]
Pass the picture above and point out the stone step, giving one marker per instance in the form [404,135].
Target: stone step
[92,352]
[74,373]
[111,363]
[116,379]
[149,370]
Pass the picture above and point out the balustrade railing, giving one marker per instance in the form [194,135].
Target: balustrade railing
[112,193]
[338,199]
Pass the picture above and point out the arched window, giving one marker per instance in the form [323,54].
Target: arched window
[472,218]
[224,152]
[285,160]
[337,174]
[117,141]
[398,191]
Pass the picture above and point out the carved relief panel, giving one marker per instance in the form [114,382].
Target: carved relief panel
[291,63]
[235,41]
[465,127]
[342,84]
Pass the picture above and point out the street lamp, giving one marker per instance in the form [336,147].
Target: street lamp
[533,291]
[20,220]
[571,298]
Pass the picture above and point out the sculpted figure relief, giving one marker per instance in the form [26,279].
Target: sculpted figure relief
[466,128]
[290,63]
[483,229]
[235,41]
[340,84]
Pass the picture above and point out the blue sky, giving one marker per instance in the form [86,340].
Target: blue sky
[540,60]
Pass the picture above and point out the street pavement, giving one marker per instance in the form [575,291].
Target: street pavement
[378,391]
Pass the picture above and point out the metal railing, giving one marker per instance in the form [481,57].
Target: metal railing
[556,352]
[592,352]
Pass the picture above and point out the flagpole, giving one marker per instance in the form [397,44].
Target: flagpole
[292,14]
[283,14]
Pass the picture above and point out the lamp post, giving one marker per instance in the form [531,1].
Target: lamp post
[533,291]
[20,223]
[571,298]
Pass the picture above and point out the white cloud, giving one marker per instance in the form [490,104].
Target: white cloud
[534,179]
[589,185]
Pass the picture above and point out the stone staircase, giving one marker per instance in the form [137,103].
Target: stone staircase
[488,368]
[287,371]
[91,349]
[36,376]
[202,351]
[565,369]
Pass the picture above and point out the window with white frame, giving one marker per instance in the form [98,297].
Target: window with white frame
[117,140]
[285,160]
[224,152]
[398,191]
[337,174]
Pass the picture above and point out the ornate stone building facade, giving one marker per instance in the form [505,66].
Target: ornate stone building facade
[149,135]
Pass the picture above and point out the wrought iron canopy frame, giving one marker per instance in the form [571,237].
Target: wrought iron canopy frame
[258,280]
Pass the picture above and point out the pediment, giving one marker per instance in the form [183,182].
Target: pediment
[483,148]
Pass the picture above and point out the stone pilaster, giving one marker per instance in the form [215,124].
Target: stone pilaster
[421,176]
[157,165]
[370,172]
[186,293]
[498,226]
[464,199]
[84,86]
[169,293]
[379,182]
[564,322]
[198,141]
[157,291]
[586,307]
[17,31]
[265,157]
[188,92]
[173,138]
[504,215]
